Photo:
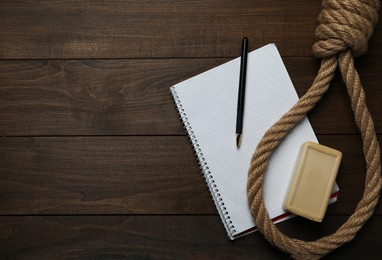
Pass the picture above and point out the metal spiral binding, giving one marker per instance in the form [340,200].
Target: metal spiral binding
[208,177]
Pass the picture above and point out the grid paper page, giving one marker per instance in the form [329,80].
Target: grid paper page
[209,101]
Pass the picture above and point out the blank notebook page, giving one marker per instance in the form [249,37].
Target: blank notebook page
[208,104]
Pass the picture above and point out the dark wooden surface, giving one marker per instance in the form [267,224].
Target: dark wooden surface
[94,162]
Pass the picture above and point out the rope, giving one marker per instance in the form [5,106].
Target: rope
[344,29]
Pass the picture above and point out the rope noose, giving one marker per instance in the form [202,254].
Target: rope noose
[343,33]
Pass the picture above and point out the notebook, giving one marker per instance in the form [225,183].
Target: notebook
[207,105]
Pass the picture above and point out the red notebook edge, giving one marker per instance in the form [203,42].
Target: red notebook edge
[277,219]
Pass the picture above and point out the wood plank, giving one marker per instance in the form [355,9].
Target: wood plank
[131,97]
[130,175]
[115,175]
[115,29]
[164,237]
[137,29]
[104,97]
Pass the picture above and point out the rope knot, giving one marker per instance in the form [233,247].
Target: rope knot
[345,24]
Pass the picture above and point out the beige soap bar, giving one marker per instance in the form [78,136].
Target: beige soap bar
[311,185]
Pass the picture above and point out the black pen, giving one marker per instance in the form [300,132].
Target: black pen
[241,95]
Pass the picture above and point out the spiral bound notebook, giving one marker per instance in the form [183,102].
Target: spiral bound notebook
[207,105]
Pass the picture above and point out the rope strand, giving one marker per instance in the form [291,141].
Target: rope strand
[345,27]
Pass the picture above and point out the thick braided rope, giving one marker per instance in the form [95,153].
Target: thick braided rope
[345,27]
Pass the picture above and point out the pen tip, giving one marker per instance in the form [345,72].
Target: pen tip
[238,140]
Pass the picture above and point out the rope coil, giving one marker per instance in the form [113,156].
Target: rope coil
[343,33]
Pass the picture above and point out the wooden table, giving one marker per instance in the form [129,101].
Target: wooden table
[94,162]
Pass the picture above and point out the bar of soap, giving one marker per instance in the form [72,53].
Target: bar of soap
[312,182]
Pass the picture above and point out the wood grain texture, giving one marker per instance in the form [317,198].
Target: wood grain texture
[134,29]
[94,162]
[129,175]
[115,29]
[161,237]
[101,175]
[131,97]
